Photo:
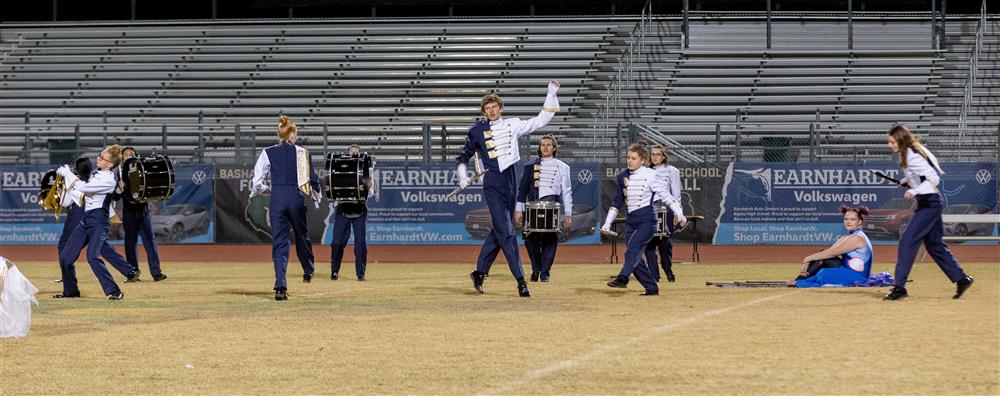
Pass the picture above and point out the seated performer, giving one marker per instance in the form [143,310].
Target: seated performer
[849,260]
[544,179]
[293,179]
[348,216]
[637,187]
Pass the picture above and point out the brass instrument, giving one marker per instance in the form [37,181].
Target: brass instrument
[52,190]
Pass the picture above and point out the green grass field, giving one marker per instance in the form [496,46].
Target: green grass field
[214,328]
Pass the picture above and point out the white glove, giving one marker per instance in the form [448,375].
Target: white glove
[463,178]
[64,171]
[605,228]
[612,215]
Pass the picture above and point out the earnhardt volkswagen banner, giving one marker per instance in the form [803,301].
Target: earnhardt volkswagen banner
[797,204]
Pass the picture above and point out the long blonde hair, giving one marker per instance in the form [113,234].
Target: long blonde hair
[116,154]
[286,128]
[906,140]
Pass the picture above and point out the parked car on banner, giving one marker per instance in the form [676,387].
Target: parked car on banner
[478,223]
[176,222]
[963,229]
[890,219]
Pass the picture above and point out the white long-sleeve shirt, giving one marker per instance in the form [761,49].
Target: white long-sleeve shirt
[672,178]
[918,167]
[553,179]
[95,190]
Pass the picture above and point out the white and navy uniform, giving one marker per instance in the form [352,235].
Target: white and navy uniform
[496,143]
[637,190]
[348,216]
[293,179]
[922,175]
[544,179]
[136,220]
[92,231]
[672,178]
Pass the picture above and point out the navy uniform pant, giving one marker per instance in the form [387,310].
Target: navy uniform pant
[499,189]
[288,212]
[926,226]
[664,247]
[138,223]
[639,228]
[342,227]
[93,233]
[541,248]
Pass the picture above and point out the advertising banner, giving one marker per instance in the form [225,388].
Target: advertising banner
[186,217]
[797,204]
[411,206]
[701,192]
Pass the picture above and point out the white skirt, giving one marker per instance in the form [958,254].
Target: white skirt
[15,301]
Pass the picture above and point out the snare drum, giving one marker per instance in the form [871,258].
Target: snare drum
[347,177]
[662,221]
[542,216]
[148,178]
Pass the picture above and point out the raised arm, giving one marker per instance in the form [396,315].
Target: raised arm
[549,109]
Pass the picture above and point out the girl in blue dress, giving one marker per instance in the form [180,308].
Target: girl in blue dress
[849,260]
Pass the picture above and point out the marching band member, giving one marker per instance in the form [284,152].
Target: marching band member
[544,179]
[347,216]
[638,186]
[495,139]
[70,198]
[93,228]
[136,220]
[292,180]
[672,178]
[922,175]
[847,261]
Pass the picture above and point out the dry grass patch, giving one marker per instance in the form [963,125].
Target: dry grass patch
[213,328]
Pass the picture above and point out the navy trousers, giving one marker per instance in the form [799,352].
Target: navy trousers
[288,212]
[499,189]
[137,223]
[639,228]
[926,226]
[541,248]
[92,232]
[664,247]
[342,227]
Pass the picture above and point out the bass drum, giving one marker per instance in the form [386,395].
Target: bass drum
[347,177]
[148,178]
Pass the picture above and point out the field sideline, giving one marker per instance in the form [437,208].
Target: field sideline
[213,328]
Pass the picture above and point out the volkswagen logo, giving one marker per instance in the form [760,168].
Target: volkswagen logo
[585,176]
[198,177]
[983,176]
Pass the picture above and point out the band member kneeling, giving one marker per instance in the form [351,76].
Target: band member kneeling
[638,186]
[545,179]
[293,179]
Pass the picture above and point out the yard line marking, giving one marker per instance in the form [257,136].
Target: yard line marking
[601,351]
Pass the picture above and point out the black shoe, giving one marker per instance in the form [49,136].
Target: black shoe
[545,279]
[619,282]
[334,276]
[671,277]
[361,279]
[307,278]
[159,277]
[280,294]
[477,281]
[133,278]
[963,284]
[522,289]
[897,293]
[116,295]
[64,295]
[534,277]
[651,293]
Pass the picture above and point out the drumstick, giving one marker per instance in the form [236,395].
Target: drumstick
[609,232]
[479,173]
[896,182]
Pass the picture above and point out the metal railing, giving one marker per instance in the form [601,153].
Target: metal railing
[970,81]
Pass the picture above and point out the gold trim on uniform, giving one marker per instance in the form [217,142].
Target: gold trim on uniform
[492,154]
[490,143]
[487,134]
